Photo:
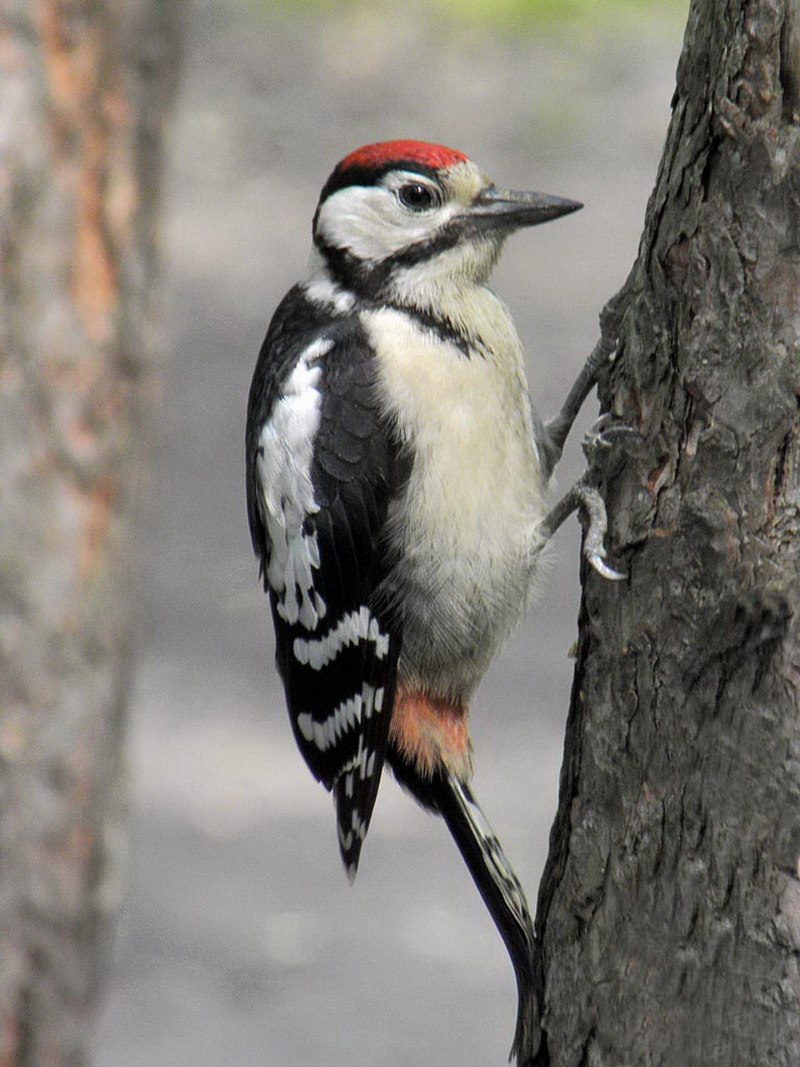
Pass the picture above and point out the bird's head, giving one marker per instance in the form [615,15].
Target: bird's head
[402,216]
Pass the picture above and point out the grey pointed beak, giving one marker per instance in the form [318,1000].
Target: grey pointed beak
[508,209]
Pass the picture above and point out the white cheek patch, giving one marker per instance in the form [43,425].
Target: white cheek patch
[286,496]
[353,627]
[370,223]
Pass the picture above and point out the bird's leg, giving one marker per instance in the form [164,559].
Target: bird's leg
[556,430]
[584,497]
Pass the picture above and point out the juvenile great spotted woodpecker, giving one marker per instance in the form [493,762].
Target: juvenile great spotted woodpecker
[396,480]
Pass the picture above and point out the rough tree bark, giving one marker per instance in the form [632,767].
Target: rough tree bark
[669,912]
[86,88]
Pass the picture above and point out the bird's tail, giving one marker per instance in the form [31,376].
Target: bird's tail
[503,896]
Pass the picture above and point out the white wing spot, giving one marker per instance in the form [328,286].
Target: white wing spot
[364,760]
[357,830]
[344,716]
[286,450]
[355,626]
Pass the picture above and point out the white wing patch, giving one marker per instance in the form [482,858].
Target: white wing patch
[286,496]
[355,626]
[349,713]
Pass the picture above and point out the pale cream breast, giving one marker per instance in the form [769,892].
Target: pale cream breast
[469,523]
[476,470]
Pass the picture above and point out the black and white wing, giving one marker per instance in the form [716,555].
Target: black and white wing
[322,469]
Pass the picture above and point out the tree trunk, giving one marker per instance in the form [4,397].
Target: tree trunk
[86,87]
[669,911]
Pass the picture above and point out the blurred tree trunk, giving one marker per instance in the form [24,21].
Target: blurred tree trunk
[669,911]
[86,85]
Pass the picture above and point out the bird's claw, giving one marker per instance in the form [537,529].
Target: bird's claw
[587,501]
[596,561]
[592,510]
[605,432]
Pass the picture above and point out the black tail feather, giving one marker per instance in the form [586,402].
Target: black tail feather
[503,895]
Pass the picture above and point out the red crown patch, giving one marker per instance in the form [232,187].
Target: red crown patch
[435,156]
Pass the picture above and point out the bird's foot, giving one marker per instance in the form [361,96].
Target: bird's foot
[585,498]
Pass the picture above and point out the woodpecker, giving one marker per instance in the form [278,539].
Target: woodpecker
[396,492]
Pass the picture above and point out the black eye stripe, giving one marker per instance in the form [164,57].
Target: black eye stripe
[417,196]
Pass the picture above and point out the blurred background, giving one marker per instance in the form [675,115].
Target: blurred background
[241,941]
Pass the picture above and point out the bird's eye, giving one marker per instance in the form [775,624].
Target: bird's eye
[417,197]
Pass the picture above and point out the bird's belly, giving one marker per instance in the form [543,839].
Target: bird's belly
[469,535]
[461,597]
[466,529]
